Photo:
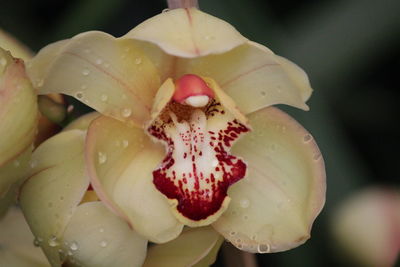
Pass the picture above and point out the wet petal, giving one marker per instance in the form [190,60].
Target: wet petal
[253,76]
[188,33]
[193,246]
[83,122]
[367,227]
[16,243]
[120,162]
[95,237]
[18,109]
[110,75]
[56,185]
[273,208]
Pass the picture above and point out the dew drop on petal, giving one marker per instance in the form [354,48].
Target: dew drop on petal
[99,61]
[53,242]
[104,98]
[125,143]
[126,112]
[138,61]
[79,95]
[232,233]
[103,244]
[85,72]
[307,138]
[263,93]
[244,203]
[263,248]
[74,246]
[102,157]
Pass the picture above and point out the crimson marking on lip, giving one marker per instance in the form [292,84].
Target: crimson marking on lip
[200,203]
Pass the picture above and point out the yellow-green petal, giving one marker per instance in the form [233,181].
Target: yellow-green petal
[253,77]
[95,237]
[18,108]
[274,206]
[56,185]
[194,247]
[10,43]
[188,33]
[83,122]
[120,163]
[16,243]
[110,75]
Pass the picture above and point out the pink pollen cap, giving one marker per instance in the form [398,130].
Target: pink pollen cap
[191,85]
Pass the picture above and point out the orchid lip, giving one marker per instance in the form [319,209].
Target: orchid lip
[197,170]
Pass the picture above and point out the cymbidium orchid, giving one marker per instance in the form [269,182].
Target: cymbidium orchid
[187,135]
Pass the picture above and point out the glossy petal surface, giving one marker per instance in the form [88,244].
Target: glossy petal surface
[120,161]
[191,247]
[110,75]
[18,109]
[253,77]
[16,246]
[56,185]
[188,33]
[95,237]
[273,208]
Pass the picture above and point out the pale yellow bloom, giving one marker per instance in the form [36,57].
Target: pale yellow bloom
[154,157]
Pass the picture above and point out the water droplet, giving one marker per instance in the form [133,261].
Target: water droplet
[209,37]
[79,95]
[39,82]
[232,233]
[53,242]
[165,10]
[99,61]
[253,237]
[125,143]
[101,230]
[126,112]
[74,246]
[3,61]
[103,244]
[244,203]
[37,241]
[138,61]
[263,93]
[263,248]
[33,163]
[102,157]
[85,72]
[307,138]
[104,98]
[245,217]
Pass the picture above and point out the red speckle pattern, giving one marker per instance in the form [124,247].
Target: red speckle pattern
[201,186]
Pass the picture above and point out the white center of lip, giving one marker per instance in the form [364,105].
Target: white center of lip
[197,101]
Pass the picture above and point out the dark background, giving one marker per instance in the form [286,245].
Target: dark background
[349,48]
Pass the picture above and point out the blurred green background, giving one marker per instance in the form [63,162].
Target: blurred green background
[349,48]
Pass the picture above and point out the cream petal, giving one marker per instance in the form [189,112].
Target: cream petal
[18,109]
[120,163]
[188,33]
[193,246]
[273,208]
[11,177]
[112,76]
[11,44]
[83,122]
[96,237]
[56,185]
[16,243]
[253,76]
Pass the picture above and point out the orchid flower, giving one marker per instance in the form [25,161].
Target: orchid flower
[186,134]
